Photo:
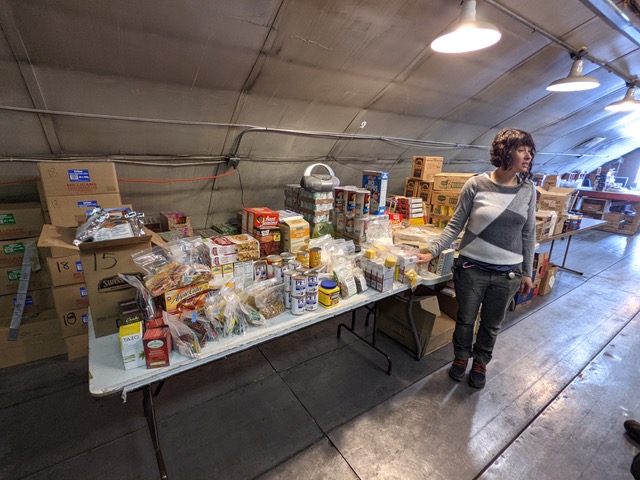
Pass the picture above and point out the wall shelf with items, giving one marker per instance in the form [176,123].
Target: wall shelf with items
[621,211]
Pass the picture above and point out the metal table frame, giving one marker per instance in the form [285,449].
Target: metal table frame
[107,376]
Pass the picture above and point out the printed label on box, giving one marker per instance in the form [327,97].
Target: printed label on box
[12,248]
[79,266]
[88,203]
[83,292]
[28,301]
[7,219]
[13,275]
[79,175]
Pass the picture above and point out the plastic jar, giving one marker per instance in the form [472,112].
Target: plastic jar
[328,293]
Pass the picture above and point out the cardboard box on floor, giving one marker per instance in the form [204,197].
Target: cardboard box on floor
[102,261]
[77,346]
[20,220]
[65,270]
[549,280]
[434,329]
[39,337]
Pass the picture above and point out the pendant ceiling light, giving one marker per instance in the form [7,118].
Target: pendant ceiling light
[575,81]
[627,104]
[468,34]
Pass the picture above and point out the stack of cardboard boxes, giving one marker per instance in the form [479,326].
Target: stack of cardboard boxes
[39,333]
[553,205]
[69,191]
[420,184]
[543,277]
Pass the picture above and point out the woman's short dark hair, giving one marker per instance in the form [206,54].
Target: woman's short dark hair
[506,142]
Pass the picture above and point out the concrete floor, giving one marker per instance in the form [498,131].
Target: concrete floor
[564,378]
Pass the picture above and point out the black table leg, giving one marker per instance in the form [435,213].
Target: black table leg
[412,323]
[150,414]
[371,310]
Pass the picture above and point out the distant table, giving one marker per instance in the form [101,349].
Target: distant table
[107,376]
[586,224]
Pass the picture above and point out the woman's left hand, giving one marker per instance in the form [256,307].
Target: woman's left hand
[526,284]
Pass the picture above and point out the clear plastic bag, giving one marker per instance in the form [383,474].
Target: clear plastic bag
[267,297]
[184,340]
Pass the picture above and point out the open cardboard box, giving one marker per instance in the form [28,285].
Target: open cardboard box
[434,328]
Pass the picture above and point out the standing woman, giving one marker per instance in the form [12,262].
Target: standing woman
[496,253]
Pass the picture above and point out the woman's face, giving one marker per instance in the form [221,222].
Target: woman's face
[522,159]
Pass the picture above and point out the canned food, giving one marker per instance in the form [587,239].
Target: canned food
[350,199]
[338,197]
[287,300]
[299,285]
[278,271]
[315,257]
[312,282]
[287,257]
[363,197]
[312,301]
[360,226]
[303,257]
[259,270]
[298,304]
[271,259]
[287,279]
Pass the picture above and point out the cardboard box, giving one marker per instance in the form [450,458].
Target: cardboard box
[551,181]
[377,183]
[58,241]
[548,218]
[549,280]
[12,251]
[39,337]
[424,168]
[562,218]
[446,199]
[102,261]
[450,182]
[70,297]
[434,329]
[259,217]
[412,187]
[74,322]
[554,198]
[294,233]
[70,211]
[10,279]
[36,300]
[77,346]
[20,220]
[78,178]
[65,270]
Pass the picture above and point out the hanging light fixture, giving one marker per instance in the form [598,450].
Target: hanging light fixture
[468,34]
[627,104]
[575,81]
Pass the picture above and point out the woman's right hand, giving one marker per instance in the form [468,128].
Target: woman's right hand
[424,257]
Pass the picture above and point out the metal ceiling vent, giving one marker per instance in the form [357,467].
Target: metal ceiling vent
[588,144]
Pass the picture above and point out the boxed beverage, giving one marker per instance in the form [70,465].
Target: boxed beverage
[12,251]
[20,220]
[102,261]
[377,183]
[78,178]
[157,347]
[70,211]
[450,182]
[132,346]
[65,270]
[295,233]
[424,168]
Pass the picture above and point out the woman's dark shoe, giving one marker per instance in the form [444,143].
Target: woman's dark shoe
[635,467]
[633,430]
[478,375]
[458,369]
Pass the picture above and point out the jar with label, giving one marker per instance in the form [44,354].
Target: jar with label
[328,293]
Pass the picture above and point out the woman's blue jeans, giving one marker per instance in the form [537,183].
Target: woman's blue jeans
[489,292]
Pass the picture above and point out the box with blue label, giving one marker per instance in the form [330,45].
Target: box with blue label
[70,297]
[78,178]
[74,322]
[376,182]
[69,211]
[65,270]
